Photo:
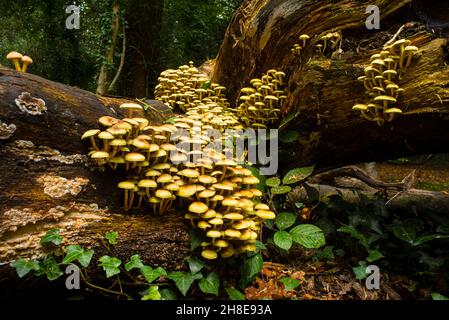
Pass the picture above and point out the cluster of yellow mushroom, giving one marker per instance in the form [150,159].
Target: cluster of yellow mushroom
[185,87]
[16,58]
[381,81]
[177,163]
[260,105]
[298,47]
[330,41]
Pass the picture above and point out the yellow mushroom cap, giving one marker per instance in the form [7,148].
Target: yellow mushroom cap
[385,98]
[127,185]
[152,173]
[261,206]
[14,55]
[250,180]
[393,110]
[230,202]
[131,105]
[187,190]
[163,194]
[232,233]
[207,193]
[233,216]
[134,157]
[107,121]
[90,133]
[99,155]
[28,60]
[201,224]
[213,234]
[209,254]
[216,221]
[221,243]
[209,214]
[360,107]
[105,135]
[147,183]
[164,178]
[198,207]
[248,248]
[256,192]
[265,214]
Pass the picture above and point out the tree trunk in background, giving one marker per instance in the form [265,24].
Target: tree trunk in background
[103,77]
[47,183]
[144,20]
[324,89]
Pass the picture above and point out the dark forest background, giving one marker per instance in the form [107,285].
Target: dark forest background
[159,34]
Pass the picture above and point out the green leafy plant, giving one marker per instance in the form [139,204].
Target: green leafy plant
[287,229]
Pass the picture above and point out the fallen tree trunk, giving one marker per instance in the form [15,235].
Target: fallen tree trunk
[412,202]
[323,88]
[46,182]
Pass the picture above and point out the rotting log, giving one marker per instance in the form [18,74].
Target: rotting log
[46,182]
[323,89]
[412,202]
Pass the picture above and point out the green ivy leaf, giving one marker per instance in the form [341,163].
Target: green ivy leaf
[133,263]
[153,294]
[423,239]
[360,271]
[260,246]
[168,294]
[210,284]
[77,253]
[281,190]
[289,117]
[297,175]
[52,236]
[289,283]
[195,239]
[285,220]
[234,294]
[308,235]
[273,182]
[405,232]
[183,280]
[437,296]
[23,267]
[289,136]
[110,265]
[112,237]
[151,274]
[250,268]
[50,268]
[283,239]
[356,234]
[195,264]
[374,255]
[170,120]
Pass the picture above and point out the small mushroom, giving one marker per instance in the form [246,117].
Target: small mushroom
[15,59]
[26,61]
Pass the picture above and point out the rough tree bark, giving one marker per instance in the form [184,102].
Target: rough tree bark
[324,89]
[45,181]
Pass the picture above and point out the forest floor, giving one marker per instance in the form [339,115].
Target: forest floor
[324,280]
[335,280]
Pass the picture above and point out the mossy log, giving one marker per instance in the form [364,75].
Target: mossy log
[323,88]
[46,182]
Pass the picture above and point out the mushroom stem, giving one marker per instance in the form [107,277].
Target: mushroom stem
[94,143]
[126,200]
[131,199]
[17,64]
